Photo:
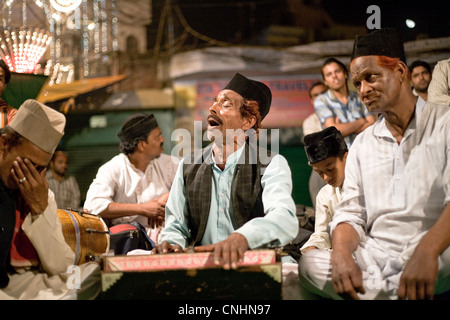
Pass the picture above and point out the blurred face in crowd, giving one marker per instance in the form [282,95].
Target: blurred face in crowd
[331,170]
[60,163]
[334,76]
[317,91]
[420,79]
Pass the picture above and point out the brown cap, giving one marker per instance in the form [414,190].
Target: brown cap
[39,124]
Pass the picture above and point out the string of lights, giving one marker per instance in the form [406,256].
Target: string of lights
[25,23]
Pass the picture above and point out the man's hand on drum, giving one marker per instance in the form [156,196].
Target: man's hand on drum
[229,252]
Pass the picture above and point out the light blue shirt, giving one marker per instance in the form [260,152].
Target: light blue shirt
[328,106]
[278,227]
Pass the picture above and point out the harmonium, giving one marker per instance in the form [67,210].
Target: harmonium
[194,276]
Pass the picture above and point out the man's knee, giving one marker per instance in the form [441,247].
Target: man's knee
[315,266]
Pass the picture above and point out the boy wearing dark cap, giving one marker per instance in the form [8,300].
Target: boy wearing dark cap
[224,202]
[327,152]
[134,185]
[391,231]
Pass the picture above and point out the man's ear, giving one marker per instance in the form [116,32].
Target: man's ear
[249,122]
[140,145]
[403,72]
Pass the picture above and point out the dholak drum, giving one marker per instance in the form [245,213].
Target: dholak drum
[85,233]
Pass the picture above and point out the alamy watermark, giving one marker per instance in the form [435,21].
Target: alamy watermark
[74,279]
[374,20]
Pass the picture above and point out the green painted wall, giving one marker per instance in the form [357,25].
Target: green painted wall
[296,157]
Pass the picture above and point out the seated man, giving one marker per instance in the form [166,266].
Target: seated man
[230,199]
[391,231]
[134,185]
[34,256]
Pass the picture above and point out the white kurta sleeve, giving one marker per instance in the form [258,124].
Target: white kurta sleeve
[101,191]
[45,233]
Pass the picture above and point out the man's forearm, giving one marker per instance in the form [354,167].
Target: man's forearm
[345,238]
[118,210]
[437,239]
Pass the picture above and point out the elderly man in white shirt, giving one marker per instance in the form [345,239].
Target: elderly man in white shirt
[390,233]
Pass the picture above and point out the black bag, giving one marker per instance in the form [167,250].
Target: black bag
[126,237]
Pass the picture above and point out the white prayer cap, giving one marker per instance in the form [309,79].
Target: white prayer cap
[41,125]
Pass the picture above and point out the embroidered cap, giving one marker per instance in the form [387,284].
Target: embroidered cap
[381,42]
[252,90]
[324,144]
[39,124]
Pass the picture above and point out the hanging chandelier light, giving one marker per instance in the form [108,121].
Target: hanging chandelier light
[65,5]
[22,49]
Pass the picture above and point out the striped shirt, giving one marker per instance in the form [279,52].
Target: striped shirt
[67,192]
[328,106]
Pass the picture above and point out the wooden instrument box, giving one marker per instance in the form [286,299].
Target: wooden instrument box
[191,276]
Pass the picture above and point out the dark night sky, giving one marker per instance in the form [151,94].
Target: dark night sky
[222,19]
[431,17]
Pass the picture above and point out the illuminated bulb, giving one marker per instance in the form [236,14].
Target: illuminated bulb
[410,23]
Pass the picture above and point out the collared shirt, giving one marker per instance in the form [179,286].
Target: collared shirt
[278,227]
[395,192]
[67,192]
[328,106]
[327,198]
[120,181]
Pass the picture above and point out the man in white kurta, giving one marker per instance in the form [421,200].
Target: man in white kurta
[409,192]
[119,180]
[135,185]
[390,233]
